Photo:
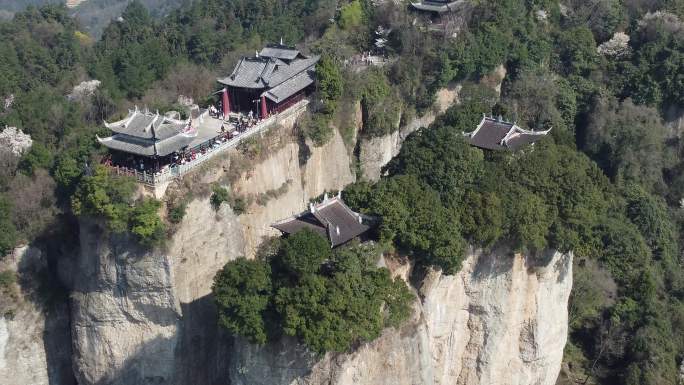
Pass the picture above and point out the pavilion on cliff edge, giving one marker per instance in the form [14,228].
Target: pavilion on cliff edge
[274,79]
[332,219]
[144,140]
[497,134]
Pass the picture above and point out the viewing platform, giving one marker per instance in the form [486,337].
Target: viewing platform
[209,142]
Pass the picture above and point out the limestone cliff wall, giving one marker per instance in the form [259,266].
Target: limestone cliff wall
[34,339]
[501,320]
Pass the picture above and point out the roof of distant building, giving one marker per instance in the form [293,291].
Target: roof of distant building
[497,134]
[148,134]
[280,51]
[439,6]
[332,219]
[275,66]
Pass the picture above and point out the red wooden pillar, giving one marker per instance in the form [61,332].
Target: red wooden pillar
[263,107]
[226,103]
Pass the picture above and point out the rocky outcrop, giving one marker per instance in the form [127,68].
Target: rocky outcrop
[376,152]
[125,314]
[328,168]
[501,320]
[34,341]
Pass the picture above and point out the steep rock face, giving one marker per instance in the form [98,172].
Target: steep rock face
[34,341]
[326,169]
[125,315]
[501,320]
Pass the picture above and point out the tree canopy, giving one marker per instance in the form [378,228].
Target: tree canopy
[330,300]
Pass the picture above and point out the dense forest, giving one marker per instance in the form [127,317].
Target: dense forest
[608,184]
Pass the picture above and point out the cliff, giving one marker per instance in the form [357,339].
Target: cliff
[141,317]
[147,317]
[501,320]
[35,346]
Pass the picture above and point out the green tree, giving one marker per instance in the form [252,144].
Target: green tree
[8,232]
[331,312]
[628,142]
[218,196]
[303,253]
[529,221]
[328,83]
[145,223]
[37,157]
[576,53]
[414,219]
[101,194]
[351,15]
[242,292]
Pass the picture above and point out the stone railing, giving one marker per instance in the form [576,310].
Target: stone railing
[178,171]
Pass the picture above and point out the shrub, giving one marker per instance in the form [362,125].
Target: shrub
[37,157]
[239,206]
[177,212]
[7,279]
[318,129]
[8,233]
[219,195]
[145,223]
[103,195]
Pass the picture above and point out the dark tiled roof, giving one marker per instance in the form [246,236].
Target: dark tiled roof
[247,73]
[279,51]
[129,144]
[146,147]
[267,73]
[332,219]
[343,223]
[283,73]
[290,86]
[519,140]
[135,124]
[295,224]
[435,5]
[173,144]
[146,125]
[490,133]
[495,134]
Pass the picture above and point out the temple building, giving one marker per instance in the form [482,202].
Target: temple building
[497,134]
[150,137]
[273,80]
[332,219]
[437,6]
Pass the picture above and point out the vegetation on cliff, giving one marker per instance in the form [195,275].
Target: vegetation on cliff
[328,299]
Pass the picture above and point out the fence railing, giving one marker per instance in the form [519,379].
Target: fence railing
[170,173]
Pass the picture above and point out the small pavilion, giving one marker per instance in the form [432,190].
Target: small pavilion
[144,140]
[332,219]
[274,79]
[436,6]
[497,134]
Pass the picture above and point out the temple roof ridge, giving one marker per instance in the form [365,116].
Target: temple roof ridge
[498,134]
[330,218]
